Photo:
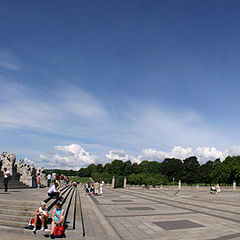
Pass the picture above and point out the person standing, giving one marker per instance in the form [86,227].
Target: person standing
[61,180]
[101,187]
[96,188]
[6,176]
[49,178]
[38,181]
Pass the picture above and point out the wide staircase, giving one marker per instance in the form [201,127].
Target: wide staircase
[15,214]
[14,183]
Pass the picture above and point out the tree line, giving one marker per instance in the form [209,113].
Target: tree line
[189,171]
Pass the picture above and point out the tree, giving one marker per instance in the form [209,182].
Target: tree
[172,168]
[99,168]
[118,167]
[127,168]
[191,170]
[91,168]
[149,167]
[108,168]
[135,168]
[205,171]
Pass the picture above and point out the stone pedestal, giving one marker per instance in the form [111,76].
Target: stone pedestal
[179,185]
[234,186]
[125,182]
[44,182]
[113,182]
[28,180]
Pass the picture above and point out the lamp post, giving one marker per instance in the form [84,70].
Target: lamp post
[173,182]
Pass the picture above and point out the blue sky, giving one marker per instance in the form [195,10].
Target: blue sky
[90,81]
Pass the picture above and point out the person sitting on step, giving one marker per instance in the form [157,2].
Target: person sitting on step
[54,190]
[40,215]
[57,217]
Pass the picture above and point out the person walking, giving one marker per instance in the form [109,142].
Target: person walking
[6,176]
[49,178]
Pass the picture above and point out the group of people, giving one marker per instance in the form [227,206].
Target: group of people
[94,188]
[63,179]
[41,215]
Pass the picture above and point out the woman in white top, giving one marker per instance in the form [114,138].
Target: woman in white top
[6,175]
[41,214]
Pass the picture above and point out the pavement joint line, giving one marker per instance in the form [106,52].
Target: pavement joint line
[108,227]
[225,237]
[201,199]
[146,215]
[205,207]
[185,208]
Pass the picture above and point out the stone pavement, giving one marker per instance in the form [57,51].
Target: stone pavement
[158,214]
[142,214]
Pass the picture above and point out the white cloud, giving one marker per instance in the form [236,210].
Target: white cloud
[121,155]
[177,152]
[202,153]
[209,153]
[74,156]
[233,150]
[71,156]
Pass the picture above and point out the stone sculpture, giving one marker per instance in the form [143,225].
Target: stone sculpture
[8,161]
[27,171]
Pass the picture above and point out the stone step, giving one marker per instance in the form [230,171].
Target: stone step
[16,217]
[70,217]
[17,207]
[12,223]
[14,212]
[17,203]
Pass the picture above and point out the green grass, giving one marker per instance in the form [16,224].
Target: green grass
[79,179]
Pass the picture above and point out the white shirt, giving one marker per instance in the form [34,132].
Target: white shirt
[44,211]
[49,176]
[52,189]
[6,174]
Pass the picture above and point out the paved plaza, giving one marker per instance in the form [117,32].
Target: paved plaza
[141,214]
[158,214]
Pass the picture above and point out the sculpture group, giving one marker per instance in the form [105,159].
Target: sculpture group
[26,171]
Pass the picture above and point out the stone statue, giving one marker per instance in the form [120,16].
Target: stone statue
[8,161]
[33,170]
[40,171]
[27,170]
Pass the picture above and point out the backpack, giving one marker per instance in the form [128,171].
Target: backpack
[59,232]
[31,224]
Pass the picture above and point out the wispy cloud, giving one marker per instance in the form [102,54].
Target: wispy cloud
[138,129]
[71,109]
[8,60]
